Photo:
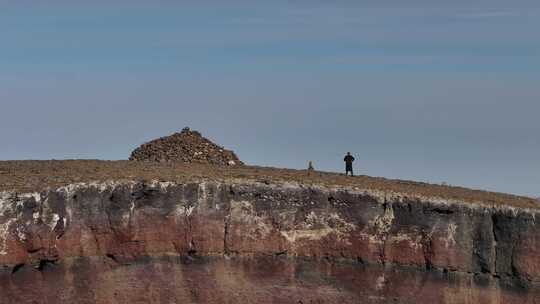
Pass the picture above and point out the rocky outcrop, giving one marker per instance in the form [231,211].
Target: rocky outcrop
[245,241]
[187,146]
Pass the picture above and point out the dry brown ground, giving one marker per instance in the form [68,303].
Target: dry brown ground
[26,176]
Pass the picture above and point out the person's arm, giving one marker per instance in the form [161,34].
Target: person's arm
[352,158]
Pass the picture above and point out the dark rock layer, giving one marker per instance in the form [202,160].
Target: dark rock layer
[250,242]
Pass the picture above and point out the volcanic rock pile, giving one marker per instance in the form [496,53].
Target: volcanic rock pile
[187,146]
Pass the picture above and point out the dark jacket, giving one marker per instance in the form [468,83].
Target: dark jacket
[348,162]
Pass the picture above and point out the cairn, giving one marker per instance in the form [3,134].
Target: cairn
[188,146]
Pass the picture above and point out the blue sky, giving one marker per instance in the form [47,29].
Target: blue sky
[437,91]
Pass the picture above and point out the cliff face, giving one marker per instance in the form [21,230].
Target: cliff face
[244,241]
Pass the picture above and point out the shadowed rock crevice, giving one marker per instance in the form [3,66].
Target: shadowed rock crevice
[44,264]
[17,268]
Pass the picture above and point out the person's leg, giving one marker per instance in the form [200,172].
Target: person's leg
[352,174]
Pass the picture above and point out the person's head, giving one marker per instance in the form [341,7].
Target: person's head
[348,153]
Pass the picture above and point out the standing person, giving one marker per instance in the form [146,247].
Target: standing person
[310,168]
[348,163]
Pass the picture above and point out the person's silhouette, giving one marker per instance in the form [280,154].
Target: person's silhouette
[348,163]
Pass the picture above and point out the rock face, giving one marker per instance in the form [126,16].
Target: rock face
[244,241]
[188,146]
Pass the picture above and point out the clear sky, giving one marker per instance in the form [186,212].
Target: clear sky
[436,91]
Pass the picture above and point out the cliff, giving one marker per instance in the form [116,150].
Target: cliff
[91,233]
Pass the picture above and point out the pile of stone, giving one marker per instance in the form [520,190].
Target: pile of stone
[187,146]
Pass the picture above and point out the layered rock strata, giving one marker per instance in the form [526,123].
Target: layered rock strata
[243,241]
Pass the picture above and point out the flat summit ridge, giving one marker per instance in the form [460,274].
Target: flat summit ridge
[33,176]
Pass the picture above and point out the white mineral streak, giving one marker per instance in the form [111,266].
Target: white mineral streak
[4,204]
[313,235]
[161,185]
[380,282]
[4,234]
[182,210]
[54,221]
[202,198]
[25,196]
[21,232]
[450,239]
[244,212]
[317,226]
[311,219]
[383,223]
[9,203]
[109,185]
[69,216]
[414,240]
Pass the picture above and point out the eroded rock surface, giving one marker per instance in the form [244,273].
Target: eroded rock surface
[244,241]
